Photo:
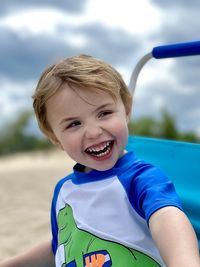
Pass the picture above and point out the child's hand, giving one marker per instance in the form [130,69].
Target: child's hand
[39,256]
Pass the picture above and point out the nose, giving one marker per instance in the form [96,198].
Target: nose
[93,131]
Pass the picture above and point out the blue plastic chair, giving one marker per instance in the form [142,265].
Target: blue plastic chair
[180,160]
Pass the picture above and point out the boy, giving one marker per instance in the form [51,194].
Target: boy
[114,209]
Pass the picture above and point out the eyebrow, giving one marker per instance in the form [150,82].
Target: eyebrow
[76,118]
[104,106]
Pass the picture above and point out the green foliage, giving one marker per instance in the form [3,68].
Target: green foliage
[144,126]
[168,128]
[165,128]
[14,137]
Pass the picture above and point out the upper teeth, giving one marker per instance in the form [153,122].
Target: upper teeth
[99,148]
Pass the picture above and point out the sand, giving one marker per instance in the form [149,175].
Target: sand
[27,182]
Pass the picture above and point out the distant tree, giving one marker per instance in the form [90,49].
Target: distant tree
[164,128]
[188,137]
[14,137]
[144,126]
[167,126]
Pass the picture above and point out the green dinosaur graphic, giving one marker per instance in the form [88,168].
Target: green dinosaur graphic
[83,249]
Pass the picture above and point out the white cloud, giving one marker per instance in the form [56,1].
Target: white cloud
[14,98]
[136,18]
[35,21]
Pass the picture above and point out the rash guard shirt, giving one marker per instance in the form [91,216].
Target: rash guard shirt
[101,218]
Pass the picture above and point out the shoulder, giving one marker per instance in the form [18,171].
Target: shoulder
[148,187]
[138,173]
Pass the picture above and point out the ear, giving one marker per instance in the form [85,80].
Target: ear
[128,115]
[56,142]
[128,110]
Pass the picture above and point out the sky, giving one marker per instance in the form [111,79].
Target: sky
[36,33]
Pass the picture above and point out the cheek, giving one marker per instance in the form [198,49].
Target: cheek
[121,129]
[71,144]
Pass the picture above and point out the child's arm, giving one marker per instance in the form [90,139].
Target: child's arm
[39,256]
[175,238]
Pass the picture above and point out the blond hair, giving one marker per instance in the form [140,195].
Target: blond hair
[84,72]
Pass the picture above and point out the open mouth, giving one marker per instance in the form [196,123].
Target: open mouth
[100,150]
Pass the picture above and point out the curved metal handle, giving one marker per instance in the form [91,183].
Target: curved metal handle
[136,71]
[165,51]
[177,50]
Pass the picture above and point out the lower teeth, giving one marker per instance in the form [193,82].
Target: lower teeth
[101,154]
[104,153]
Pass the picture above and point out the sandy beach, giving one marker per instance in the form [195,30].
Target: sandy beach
[27,182]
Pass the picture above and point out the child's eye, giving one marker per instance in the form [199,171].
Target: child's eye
[105,113]
[73,124]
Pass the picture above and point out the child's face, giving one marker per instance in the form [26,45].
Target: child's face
[90,126]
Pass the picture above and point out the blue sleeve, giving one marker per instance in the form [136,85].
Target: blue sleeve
[149,189]
[153,190]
